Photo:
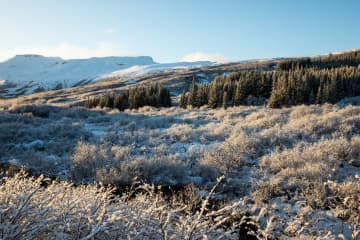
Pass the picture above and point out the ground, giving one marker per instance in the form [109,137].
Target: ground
[291,173]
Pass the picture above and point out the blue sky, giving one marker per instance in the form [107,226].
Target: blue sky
[174,30]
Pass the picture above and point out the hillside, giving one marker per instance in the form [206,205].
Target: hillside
[176,77]
[25,74]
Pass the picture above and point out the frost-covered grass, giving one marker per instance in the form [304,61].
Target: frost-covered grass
[293,172]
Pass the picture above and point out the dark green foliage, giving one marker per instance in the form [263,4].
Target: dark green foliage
[193,95]
[308,86]
[203,95]
[183,100]
[214,95]
[225,100]
[154,95]
[230,90]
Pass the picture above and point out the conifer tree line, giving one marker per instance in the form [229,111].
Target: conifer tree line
[314,86]
[299,85]
[230,90]
[154,95]
[331,61]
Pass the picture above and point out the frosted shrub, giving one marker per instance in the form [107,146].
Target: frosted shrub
[167,171]
[355,148]
[265,119]
[157,122]
[349,206]
[75,113]
[215,131]
[313,125]
[122,153]
[301,111]
[278,138]
[239,150]
[11,129]
[41,111]
[266,190]
[85,160]
[30,210]
[232,154]
[309,161]
[350,111]
[146,109]
[180,132]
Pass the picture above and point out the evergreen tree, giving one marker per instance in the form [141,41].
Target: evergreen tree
[183,100]
[192,98]
[117,101]
[213,96]
[102,102]
[202,95]
[239,95]
[225,100]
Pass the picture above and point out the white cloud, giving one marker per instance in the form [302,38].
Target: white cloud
[68,51]
[201,56]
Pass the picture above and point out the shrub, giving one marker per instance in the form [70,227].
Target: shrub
[309,160]
[86,159]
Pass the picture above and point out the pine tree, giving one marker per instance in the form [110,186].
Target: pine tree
[192,98]
[239,96]
[88,103]
[124,101]
[202,95]
[102,102]
[213,96]
[117,101]
[183,100]
[109,100]
[224,100]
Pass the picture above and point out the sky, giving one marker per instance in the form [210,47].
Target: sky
[178,30]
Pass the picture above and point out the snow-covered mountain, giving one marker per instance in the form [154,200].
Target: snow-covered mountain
[25,74]
[39,72]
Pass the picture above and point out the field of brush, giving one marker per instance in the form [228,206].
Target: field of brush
[172,173]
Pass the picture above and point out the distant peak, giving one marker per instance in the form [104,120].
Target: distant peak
[38,56]
[28,56]
[32,56]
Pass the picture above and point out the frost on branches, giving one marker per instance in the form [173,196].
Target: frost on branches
[38,208]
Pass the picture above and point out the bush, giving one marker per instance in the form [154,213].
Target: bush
[32,211]
[86,159]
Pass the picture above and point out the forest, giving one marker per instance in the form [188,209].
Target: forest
[154,95]
[293,82]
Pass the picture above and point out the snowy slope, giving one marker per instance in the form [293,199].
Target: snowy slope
[137,70]
[36,71]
